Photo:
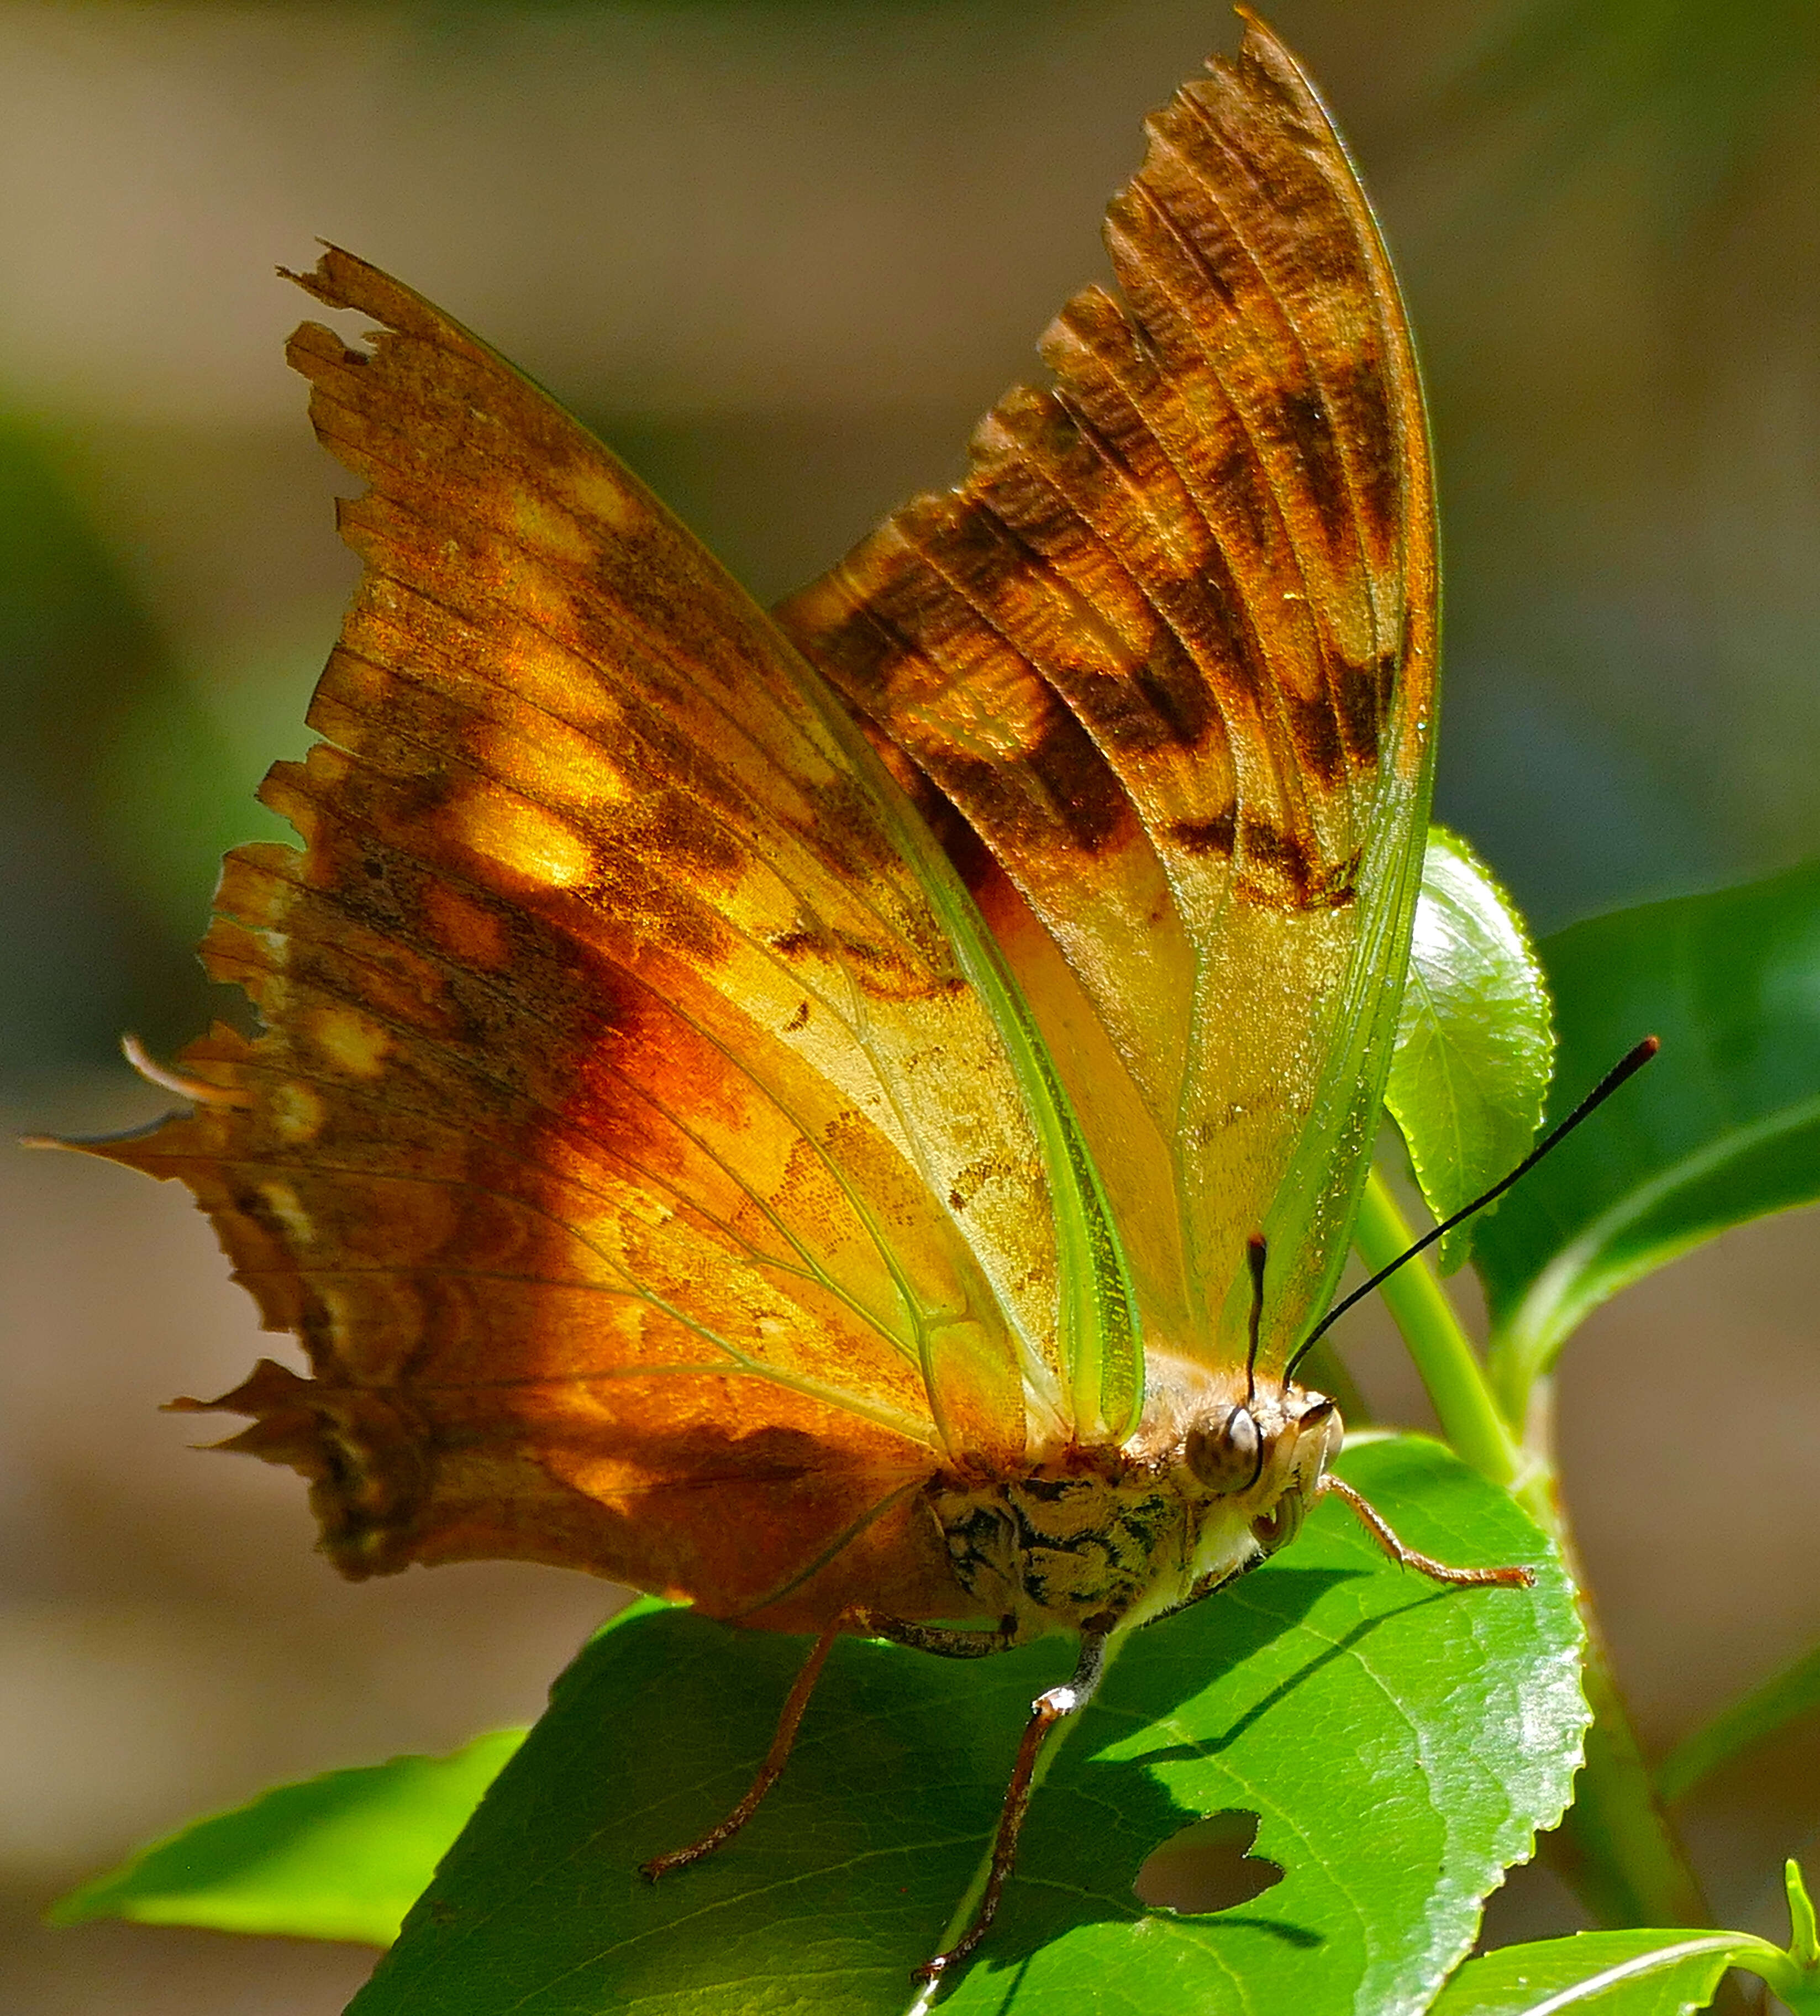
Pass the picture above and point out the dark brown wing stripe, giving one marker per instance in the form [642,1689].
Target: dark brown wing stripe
[1154,647]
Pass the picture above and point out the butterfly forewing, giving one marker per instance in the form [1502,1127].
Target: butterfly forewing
[644,1140]
[1168,652]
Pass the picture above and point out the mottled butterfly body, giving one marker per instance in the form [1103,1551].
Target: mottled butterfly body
[1106,1538]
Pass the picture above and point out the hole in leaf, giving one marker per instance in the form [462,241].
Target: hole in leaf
[1206,1868]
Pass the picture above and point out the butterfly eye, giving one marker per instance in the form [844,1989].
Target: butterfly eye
[1230,1457]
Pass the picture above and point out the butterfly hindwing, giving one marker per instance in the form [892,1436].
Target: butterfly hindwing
[1169,653]
[643,1139]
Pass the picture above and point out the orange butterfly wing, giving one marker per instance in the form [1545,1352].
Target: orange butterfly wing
[643,1141]
[645,1179]
[1168,653]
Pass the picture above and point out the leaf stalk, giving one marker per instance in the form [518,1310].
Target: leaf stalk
[1442,1351]
[1615,1848]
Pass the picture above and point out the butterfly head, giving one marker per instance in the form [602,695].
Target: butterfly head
[1265,1457]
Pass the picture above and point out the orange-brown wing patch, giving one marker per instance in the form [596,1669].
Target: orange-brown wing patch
[1168,650]
[648,1186]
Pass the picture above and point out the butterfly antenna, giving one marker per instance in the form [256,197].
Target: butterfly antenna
[1627,1067]
[1256,1253]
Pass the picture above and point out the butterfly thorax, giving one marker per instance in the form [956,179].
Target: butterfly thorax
[1095,1538]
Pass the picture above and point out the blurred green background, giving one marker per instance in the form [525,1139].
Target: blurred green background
[781,254]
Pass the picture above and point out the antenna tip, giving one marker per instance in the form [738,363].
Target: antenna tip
[1633,1061]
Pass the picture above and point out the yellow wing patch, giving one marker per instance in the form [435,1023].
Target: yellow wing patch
[622,1122]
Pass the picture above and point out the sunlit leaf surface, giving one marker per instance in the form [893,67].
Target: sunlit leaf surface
[1639,1973]
[1400,1744]
[1470,1071]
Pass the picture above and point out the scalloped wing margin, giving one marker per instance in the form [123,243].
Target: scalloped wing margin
[645,1140]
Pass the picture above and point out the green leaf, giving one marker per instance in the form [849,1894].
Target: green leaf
[1794,1691]
[1610,1973]
[1803,1932]
[1400,1743]
[1724,1125]
[342,1856]
[1470,1071]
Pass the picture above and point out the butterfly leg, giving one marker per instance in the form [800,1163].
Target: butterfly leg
[1375,1523]
[1047,1710]
[868,1623]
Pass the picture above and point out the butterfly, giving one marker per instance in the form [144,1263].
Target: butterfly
[849,1116]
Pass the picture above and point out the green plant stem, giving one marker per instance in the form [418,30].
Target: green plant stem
[1442,1351]
[1766,1708]
[1615,1848]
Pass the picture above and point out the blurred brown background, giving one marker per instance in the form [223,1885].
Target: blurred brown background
[781,254]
